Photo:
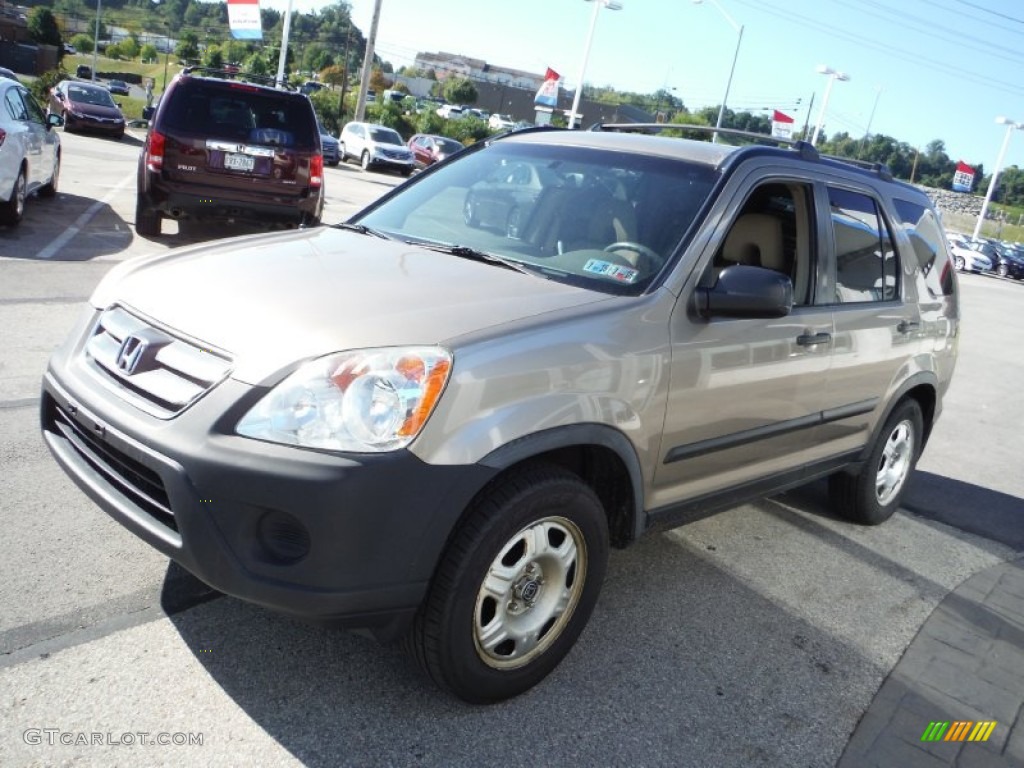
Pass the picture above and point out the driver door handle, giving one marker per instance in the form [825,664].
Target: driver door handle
[810,339]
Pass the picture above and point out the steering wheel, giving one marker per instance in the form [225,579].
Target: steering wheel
[638,248]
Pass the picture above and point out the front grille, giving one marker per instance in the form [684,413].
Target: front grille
[159,372]
[133,479]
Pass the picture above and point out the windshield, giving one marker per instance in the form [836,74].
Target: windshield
[449,146]
[386,136]
[84,95]
[606,220]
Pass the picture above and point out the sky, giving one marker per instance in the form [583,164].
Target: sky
[918,70]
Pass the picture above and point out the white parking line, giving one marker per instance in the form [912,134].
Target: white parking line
[54,247]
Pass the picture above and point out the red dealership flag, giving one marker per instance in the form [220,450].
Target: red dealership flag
[782,125]
[547,94]
[963,179]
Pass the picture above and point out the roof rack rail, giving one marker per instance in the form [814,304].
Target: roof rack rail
[230,74]
[881,169]
[806,149]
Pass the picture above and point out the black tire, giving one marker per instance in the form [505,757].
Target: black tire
[873,494]
[342,155]
[513,223]
[469,213]
[147,221]
[50,190]
[539,536]
[959,263]
[12,211]
[407,172]
[364,161]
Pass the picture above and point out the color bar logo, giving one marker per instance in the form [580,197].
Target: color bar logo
[958,730]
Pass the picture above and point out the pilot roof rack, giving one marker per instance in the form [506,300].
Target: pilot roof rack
[232,74]
[806,149]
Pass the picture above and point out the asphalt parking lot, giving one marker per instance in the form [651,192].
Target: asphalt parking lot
[758,637]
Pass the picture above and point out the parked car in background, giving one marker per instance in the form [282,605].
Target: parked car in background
[29,150]
[450,111]
[375,146]
[479,114]
[119,87]
[329,144]
[428,148]
[86,108]
[506,198]
[9,74]
[84,72]
[1008,260]
[222,149]
[498,122]
[972,256]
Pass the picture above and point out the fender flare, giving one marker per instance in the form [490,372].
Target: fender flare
[575,436]
[926,378]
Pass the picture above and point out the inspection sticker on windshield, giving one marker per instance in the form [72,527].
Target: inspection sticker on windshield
[614,271]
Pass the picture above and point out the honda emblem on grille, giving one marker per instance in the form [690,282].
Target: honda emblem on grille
[130,354]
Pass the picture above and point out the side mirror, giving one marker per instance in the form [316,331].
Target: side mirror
[752,292]
[53,120]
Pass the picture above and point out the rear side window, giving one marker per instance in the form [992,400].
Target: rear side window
[241,113]
[926,236]
[865,257]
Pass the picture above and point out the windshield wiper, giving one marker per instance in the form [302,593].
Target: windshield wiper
[362,229]
[465,252]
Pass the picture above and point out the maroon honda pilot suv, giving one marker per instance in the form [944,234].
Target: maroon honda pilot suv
[226,148]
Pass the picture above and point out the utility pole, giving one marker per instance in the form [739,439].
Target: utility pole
[364,82]
[807,120]
[344,77]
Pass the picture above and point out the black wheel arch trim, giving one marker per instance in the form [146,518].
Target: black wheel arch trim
[578,436]
[922,378]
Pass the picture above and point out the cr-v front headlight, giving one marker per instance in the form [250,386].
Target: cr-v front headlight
[369,401]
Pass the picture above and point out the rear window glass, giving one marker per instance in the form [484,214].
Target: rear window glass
[926,236]
[233,111]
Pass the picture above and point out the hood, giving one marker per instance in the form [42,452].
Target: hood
[272,300]
[95,110]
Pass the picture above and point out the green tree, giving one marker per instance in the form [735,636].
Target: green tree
[82,43]
[42,27]
[213,57]
[256,64]
[129,47]
[148,52]
[114,51]
[460,90]
[188,47]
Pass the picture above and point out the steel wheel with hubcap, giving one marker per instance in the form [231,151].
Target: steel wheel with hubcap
[364,160]
[873,494]
[50,189]
[1002,270]
[959,263]
[515,587]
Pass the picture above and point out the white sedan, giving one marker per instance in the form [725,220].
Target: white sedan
[29,150]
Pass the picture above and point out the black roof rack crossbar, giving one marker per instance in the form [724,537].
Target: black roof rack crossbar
[238,75]
[881,169]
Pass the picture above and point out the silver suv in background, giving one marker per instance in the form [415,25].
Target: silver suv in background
[375,146]
[432,424]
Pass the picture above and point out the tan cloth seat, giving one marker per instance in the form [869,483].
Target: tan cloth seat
[755,240]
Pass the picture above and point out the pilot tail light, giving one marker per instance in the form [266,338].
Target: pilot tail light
[155,151]
[316,170]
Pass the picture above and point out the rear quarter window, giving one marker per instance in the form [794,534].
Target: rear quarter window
[926,236]
[243,113]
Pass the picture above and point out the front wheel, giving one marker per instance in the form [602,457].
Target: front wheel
[873,494]
[50,189]
[959,263]
[1002,270]
[364,160]
[516,586]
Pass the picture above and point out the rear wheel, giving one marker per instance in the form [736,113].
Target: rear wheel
[516,586]
[1002,270]
[147,221]
[364,161]
[959,263]
[872,495]
[12,211]
[50,190]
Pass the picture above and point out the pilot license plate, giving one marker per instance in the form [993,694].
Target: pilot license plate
[239,162]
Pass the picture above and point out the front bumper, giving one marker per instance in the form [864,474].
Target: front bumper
[350,540]
[73,122]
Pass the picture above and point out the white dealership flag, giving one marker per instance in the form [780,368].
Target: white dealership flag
[547,94]
[782,125]
[244,19]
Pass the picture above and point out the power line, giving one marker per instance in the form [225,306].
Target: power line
[989,10]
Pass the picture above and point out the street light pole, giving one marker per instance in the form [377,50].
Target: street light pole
[611,5]
[736,54]
[832,77]
[1010,125]
[96,40]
